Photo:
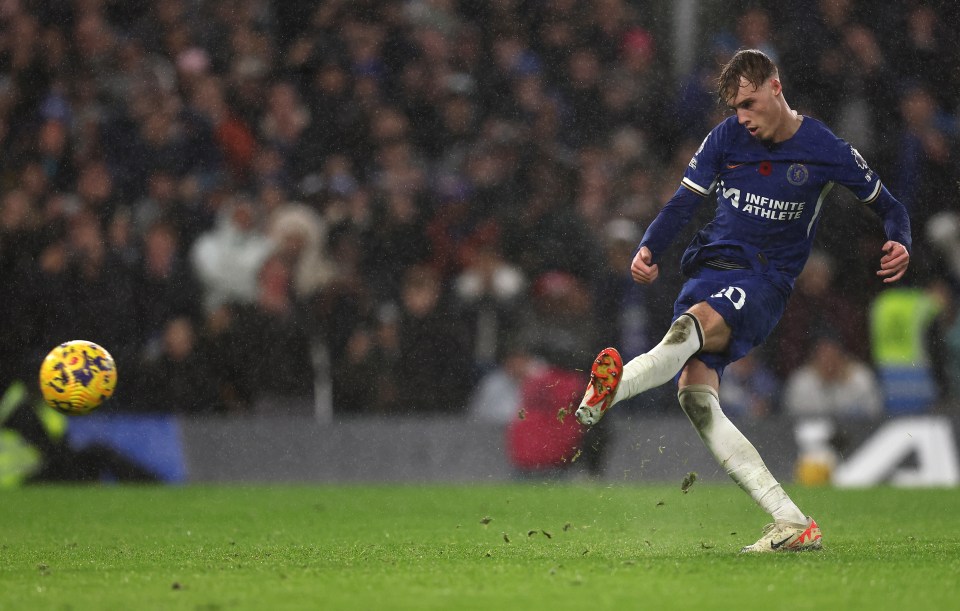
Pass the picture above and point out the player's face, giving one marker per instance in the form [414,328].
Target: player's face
[757,108]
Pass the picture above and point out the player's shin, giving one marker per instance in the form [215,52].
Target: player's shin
[735,453]
[612,382]
[663,361]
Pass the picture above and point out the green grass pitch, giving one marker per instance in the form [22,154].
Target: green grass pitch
[518,546]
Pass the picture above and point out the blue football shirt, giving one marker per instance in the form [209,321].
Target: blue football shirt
[770,196]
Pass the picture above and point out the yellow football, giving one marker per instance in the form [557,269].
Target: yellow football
[77,376]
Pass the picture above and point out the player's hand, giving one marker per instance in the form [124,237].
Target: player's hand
[643,270]
[894,263]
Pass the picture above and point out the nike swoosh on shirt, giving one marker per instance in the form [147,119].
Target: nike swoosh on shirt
[731,166]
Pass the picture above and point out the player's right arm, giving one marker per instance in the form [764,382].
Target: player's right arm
[643,269]
[699,181]
[661,233]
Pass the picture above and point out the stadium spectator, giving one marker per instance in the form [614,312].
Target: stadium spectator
[900,324]
[490,172]
[497,397]
[548,214]
[754,31]
[364,381]
[300,235]
[21,241]
[265,347]
[832,384]
[101,292]
[582,97]
[817,305]
[750,389]
[227,258]
[818,79]
[454,222]
[693,105]
[396,242]
[54,155]
[283,124]
[165,287]
[160,203]
[647,85]
[634,187]
[431,344]
[96,191]
[176,375]
[619,300]
[489,294]
[79,288]
[233,137]
[925,154]
[541,439]
[363,110]
[558,328]
[921,47]
[121,239]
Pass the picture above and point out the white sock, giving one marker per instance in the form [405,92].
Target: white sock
[663,361]
[736,454]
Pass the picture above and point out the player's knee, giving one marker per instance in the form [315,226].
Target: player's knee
[716,331]
[683,329]
[699,402]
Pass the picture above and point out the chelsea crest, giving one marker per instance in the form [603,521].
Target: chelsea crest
[797,174]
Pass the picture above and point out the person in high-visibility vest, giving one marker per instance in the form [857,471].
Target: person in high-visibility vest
[34,448]
[899,321]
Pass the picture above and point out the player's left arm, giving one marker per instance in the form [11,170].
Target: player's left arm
[896,224]
[854,173]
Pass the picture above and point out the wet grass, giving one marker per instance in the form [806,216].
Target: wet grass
[524,546]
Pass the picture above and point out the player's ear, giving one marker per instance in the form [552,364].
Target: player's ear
[776,87]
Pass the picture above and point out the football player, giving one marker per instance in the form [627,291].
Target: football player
[769,169]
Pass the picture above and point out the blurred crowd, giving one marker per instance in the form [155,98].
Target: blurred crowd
[415,206]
